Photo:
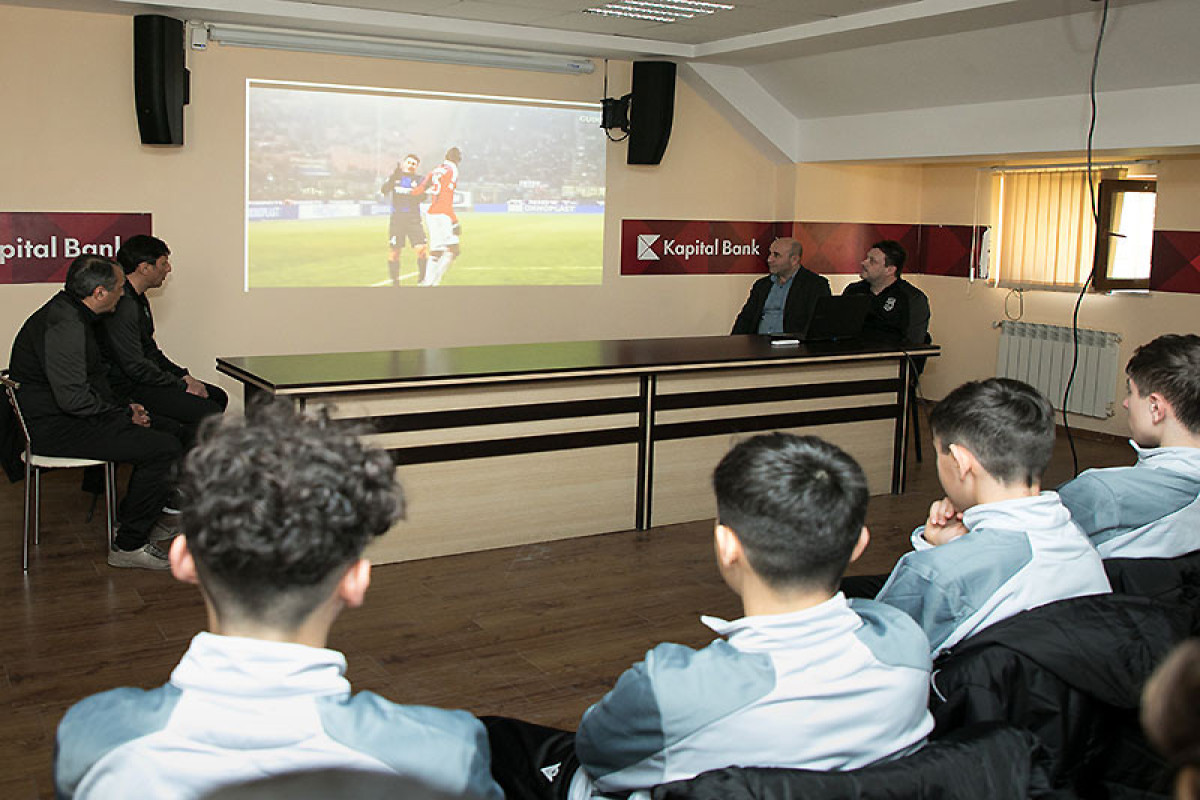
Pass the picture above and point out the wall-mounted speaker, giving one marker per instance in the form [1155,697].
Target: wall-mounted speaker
[651,109]
[160,80]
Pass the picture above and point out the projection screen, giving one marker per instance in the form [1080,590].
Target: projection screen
[352,186]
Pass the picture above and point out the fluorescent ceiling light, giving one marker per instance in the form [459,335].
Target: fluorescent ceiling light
[614,12]
[405,49]
[658,10]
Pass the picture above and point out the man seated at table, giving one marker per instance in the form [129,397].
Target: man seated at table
[783,301]
[137,366]
[805,679]
[279,510]
[72,411]
[1152,509]
[899,311]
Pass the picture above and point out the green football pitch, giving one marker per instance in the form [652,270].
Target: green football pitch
[497,250]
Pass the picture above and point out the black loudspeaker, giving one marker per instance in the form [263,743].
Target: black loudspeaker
[160,81]
[650,111]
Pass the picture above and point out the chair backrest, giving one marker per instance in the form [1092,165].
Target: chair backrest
[10,391]
[918,362]
[1070,672]
[990,760]
[1170,580]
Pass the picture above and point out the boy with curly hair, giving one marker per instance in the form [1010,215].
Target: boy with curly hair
[279,509]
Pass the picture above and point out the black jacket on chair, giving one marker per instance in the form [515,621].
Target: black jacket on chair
[1071,672]
[1171,580]
[797,311]
[996,762]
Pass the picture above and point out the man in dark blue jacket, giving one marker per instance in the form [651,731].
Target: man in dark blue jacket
[783,301]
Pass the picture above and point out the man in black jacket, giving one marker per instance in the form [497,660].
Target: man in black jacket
[899,311]
[137,367]
[72,411]
[783,301]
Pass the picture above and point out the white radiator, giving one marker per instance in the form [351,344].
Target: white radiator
[1040,355]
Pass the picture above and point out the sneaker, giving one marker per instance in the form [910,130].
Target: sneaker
[150,556]
[165,528]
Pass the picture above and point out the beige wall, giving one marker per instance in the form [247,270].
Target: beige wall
[964,311]
[70,143]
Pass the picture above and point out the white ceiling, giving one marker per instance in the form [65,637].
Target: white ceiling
[755,32]
[787,67]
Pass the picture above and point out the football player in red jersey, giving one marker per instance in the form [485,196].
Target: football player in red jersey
[441,219]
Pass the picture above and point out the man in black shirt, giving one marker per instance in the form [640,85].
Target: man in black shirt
[72,410]
[137,367]
[899,311]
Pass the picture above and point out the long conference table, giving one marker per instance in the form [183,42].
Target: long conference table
[501,445]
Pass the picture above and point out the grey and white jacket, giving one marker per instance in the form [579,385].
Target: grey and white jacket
[238,709]
[1149,510]
[1016,555]
[835,686]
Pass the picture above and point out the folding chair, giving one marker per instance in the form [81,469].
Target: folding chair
[35,464]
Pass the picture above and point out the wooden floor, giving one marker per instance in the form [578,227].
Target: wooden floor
[538,632]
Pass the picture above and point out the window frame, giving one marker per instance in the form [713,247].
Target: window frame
[1105,230]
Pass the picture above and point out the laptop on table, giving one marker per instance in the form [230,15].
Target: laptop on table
[835,318]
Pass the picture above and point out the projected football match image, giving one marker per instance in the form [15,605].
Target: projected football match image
[363,187]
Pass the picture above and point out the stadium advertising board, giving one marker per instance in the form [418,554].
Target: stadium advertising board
[697,247]
[352,186]
[38,246]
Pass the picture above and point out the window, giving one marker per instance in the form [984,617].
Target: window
[1044,231]
[1126,235]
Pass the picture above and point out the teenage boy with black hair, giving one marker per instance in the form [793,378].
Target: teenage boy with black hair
[996,545]
[804,679]
[280,508]
[1152,509]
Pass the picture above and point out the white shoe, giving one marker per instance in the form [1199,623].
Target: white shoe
[149,556]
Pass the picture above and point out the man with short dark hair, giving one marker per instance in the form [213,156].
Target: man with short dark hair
[784,300]
[996,545]
[1152,509]
[73,411]
[279,509]
[137,367]
[805,679]
[899,311]
[402,188]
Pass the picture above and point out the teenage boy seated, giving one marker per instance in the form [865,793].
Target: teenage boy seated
[804,679]
[1152,509]
[279,508]
[996,545]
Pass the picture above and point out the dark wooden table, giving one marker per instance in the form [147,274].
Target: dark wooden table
[508,444]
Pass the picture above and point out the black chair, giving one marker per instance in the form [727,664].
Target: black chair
[992,761]
[1170,580]
[916,366]
[1071,673]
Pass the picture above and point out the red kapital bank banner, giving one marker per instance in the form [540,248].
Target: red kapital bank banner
[38,246]
[691,247]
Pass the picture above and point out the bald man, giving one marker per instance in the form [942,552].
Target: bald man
[783,301]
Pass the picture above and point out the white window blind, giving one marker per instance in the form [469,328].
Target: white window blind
[1045,233]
